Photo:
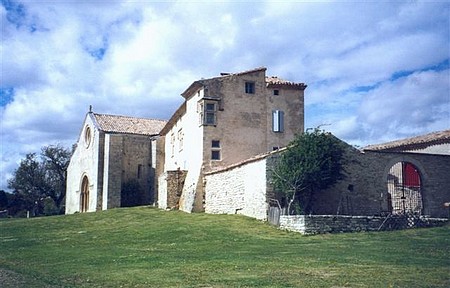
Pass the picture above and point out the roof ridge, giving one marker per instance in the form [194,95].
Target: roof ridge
[126,116]
[128,124]
[275,80]
[432,138]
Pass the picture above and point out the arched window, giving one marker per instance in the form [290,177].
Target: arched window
[84,197]
[404,189]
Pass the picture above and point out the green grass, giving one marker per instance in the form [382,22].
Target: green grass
[146,247]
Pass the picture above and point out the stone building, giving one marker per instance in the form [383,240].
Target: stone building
[405,176]
[224,120]
[112,151]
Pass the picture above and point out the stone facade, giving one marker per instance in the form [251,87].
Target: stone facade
[110,152]
[238,190]
[315,224]
[225,120]
[172,182]
[246,185]
[367,174]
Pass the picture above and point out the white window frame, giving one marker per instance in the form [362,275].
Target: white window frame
[277,121]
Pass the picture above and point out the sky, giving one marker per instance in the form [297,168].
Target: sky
[376,70]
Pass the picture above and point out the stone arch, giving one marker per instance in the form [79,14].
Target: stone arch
[84,195]
[404,186]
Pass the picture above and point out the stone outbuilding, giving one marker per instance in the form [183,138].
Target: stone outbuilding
[112,152]
[406,176]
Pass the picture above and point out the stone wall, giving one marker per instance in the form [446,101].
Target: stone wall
[137,164]
[239,190]
[127,157]
[364,190]
[315,224]
[175,183]
[170,189]
[113,171]
[245,187]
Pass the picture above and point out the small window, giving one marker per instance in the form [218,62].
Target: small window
[215,150]
[250,87]
[172,143]
[276,92]
[277,121]
[215,155]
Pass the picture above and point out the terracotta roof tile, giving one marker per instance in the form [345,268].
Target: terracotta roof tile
[128,125]
[274,80]
[414,143]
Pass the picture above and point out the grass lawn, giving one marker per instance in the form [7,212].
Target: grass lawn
[147,247]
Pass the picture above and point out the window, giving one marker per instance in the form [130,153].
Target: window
[87,136]
[277,121]
[180,139]
[172,143]
[276,92]
[208,114]
[139,171]
[215,155]
[215,150]
[250,87]
[84,195]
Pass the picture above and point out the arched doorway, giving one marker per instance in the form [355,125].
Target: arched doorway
[84,197]
[404,189]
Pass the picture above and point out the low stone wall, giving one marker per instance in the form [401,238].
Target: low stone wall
[315,224]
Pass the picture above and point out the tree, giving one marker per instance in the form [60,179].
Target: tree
[55,160]
[313,161]
[38,178]
[3,200]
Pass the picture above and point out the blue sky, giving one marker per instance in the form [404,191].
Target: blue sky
[375,71]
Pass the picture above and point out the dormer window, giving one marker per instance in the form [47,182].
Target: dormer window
[250,87]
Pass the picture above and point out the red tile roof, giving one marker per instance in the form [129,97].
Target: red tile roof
[414,143]
[128,125]
[275,81]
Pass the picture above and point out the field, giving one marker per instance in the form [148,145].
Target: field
[147,247]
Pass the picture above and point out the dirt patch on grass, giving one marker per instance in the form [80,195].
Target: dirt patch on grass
[11,279]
